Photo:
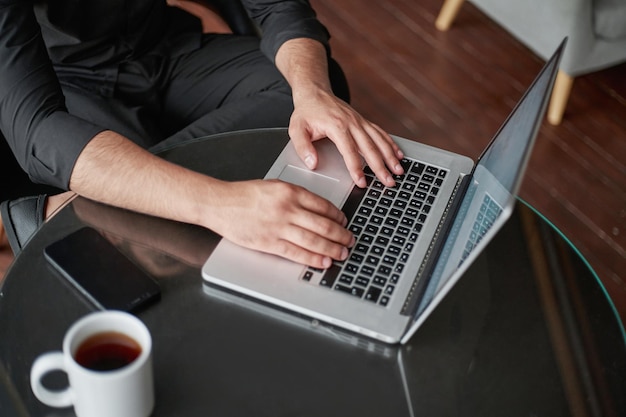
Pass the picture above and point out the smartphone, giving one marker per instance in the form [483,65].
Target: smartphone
[103,274]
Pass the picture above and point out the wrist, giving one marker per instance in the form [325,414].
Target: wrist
[303,63]
[310,91]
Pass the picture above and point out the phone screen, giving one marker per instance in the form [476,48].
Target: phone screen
[102,273]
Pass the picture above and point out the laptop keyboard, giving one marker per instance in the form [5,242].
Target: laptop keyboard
[386,223]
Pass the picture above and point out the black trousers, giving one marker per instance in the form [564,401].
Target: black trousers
[159,101]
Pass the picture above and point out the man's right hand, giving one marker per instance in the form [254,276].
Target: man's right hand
[286,220]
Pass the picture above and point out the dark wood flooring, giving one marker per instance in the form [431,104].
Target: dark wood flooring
[453,89]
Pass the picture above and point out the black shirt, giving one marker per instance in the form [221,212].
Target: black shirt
[39,39]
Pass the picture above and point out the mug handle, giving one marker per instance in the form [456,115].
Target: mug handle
[44,364]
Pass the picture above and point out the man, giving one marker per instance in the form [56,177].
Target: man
[89,88]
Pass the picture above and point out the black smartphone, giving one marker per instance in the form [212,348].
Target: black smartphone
[102,273]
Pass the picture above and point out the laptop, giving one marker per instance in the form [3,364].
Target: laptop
[414,241]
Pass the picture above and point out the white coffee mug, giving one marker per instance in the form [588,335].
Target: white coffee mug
[122,390]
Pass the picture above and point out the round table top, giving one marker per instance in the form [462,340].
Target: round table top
[528,330]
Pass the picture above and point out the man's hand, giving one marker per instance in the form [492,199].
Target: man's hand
[322,115]
[286,220]
[318,113]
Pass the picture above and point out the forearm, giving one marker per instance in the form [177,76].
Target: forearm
[304,64]
[113,170]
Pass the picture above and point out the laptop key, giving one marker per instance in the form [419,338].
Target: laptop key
[380,281]
[371,229]
[404,231]
[357,292]
[377,250]
[406,164]
[355,229]
[365,211]
[353,201]
[346,279]
[373,294]
[389,260]
[356,258]
[361,248]
[381,240]
[394,250]
[418,168]
[367,270]
[330,276]
[385,270]
[399,204]
[307,275]
[405,195]
[367,239]
[362,281]
[390,192]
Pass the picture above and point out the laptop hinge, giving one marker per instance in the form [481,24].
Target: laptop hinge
[420,283]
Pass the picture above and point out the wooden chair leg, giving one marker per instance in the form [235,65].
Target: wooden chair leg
[448,13]
[560,95]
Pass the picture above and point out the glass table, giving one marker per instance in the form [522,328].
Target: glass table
[529,330]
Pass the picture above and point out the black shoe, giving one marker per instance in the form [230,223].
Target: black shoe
[21,218]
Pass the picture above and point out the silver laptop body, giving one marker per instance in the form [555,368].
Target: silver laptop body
[424,235]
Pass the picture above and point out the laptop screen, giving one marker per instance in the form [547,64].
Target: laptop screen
[494,182]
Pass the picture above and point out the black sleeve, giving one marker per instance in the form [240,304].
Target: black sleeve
[45,139]
[282,20]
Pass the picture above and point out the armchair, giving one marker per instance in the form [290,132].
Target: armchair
[596,30]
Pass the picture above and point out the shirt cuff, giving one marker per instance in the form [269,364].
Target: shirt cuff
[58,142]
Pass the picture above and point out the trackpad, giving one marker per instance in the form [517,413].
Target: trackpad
[322,185]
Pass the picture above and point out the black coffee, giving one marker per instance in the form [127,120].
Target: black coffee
[107,351]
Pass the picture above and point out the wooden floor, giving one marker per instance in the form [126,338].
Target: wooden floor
[453,89]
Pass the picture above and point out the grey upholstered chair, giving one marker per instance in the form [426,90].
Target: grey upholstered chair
[596,30]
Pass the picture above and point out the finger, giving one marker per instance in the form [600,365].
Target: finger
[387,138]
[383,145]
[347,147]
[320,219]
[374,158]
[322,229]
[316,243]
[303,144]
[300,255]
[313,203]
